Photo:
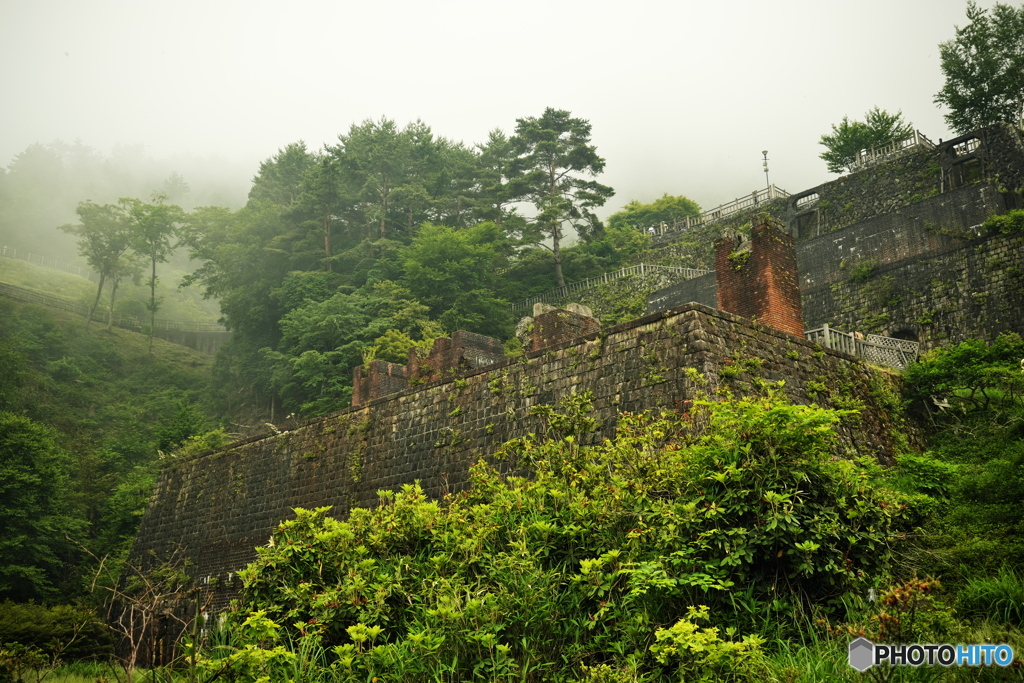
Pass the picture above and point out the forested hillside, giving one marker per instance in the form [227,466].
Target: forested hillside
[391,238]
[364,249]
[85,413]
[726,539]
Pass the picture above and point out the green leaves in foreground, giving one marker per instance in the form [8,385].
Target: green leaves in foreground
[735,513]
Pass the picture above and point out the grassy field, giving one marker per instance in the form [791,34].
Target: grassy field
[178,304]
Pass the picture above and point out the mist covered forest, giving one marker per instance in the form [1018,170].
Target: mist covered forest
[382,242]
[364,249]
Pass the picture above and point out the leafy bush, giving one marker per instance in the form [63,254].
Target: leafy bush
[974,393]
[973,375]
[584,564]
[1008,223]
[72,632]
[863,270]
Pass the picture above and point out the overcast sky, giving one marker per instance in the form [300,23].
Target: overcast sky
[682,96]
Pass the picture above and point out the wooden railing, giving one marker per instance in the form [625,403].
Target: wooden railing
[560,293]
[874,348]
[126,321]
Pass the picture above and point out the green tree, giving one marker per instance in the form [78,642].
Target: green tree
[154,227]
[495,169]
[984,69]
[454,273]
[130,267]
[667,209]
[323,192]
[320,345]
[34,517]
[104,235]
[454,183]
[850,137]
[376,158]
[280,177]
[554,156]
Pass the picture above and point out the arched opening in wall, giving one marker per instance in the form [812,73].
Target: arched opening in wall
[906,334]
[805,226]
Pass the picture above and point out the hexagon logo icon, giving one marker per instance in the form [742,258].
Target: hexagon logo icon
[862,654]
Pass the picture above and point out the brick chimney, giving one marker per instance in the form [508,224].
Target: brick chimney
[757,277]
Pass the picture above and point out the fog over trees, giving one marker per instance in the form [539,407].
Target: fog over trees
[41,187]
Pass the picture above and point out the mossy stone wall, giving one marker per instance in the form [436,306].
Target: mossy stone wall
[220,505]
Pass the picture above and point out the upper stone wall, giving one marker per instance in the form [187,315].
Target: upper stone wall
[994,155]
[925,271]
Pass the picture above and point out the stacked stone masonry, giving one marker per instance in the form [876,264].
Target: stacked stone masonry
[220,505]
[926,272]
[892,249]
[909,264]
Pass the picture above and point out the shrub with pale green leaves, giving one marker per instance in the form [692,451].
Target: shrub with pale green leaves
[593,567]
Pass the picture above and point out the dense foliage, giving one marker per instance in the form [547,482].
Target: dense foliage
[666,210]
[734,511]
[973,394]
[84,416]
[421,235]
[984,69]
[851,137]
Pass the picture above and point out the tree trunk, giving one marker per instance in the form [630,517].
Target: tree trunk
[556,250]
[327,239]
[555,231]
[110,312]
[96,301]
[152,305]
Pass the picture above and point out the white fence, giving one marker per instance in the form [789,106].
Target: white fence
[874,348]
[560,293]
[892,150]
[745,203]
[46,262]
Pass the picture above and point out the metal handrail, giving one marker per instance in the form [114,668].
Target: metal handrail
[891,150]
[641,269]
[709,216]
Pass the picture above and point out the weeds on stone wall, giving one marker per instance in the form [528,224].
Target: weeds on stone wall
[861,271]
[1009,223]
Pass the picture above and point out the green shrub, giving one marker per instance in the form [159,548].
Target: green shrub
[997,598]
[72,632]
[581,564]
[863,270]
[1008,223]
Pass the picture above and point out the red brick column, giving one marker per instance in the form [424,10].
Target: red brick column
[377,379]
[757,278]
[558,326]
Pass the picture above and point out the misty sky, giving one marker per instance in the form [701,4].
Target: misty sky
[682,96]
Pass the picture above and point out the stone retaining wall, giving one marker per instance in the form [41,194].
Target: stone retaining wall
[220,505]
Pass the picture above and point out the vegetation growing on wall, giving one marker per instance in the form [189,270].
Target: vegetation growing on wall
[603,557]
